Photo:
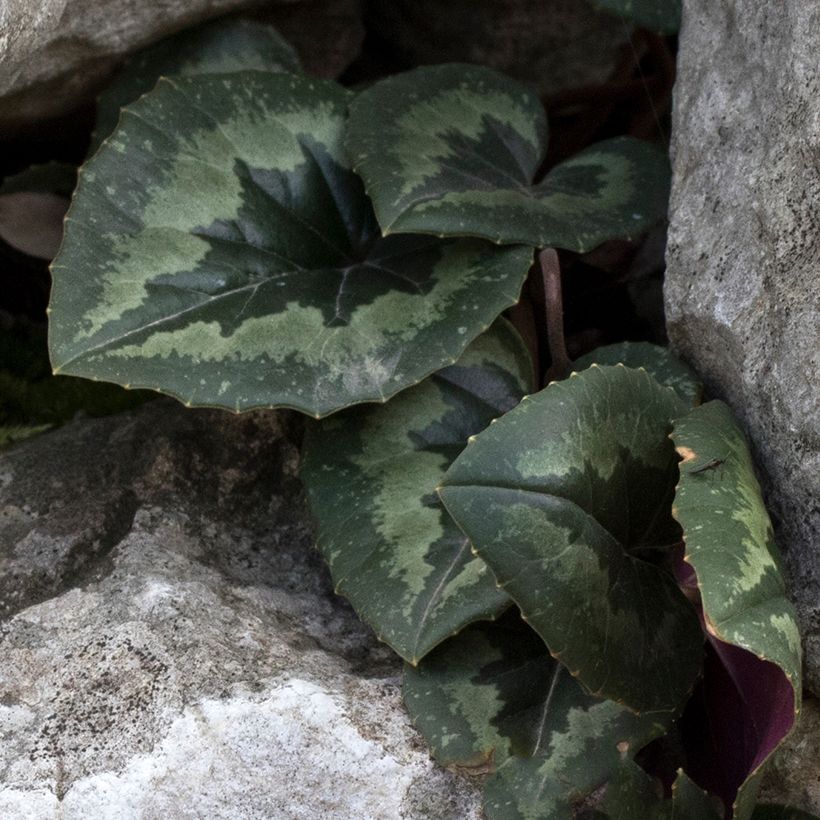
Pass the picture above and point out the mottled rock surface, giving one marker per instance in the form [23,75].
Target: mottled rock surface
[742,294]
[55,54]
[793,776]
[171,645]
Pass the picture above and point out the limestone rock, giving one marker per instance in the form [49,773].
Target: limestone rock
[172,646]
[742,295]
[793,777]
[55,54]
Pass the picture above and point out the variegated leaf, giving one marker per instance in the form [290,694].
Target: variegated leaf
[662,16]
[371,476]
[730,546]
[488,693]
[585,745]
[217,47]
[457,152]
[568,499]
[219,249]
[659,362]
[493,699]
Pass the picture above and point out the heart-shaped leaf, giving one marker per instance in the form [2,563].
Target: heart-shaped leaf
[659,362]
[662,16]
[219,249]
[218,47]
[490,692]
[457,152]
[752,624]
[568,499]
[492,698]
[371,475]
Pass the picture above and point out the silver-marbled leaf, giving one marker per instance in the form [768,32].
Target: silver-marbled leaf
[568,499]
[493,700]
[457,151]
[217,47]
[371,475]
[666,368]
[219,249]
[730,545]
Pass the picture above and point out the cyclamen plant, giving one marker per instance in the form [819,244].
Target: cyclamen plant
[576,573]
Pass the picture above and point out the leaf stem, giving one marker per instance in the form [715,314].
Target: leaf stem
[561,364]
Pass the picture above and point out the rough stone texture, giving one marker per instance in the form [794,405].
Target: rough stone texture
[171,645]
[793,777]
[54,54]
[551,44]
[742,295]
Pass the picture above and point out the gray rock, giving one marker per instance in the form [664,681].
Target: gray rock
[172,646]
[56,54]
[793,776]
[742,294]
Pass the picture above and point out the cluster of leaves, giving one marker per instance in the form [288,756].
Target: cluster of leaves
[566,582]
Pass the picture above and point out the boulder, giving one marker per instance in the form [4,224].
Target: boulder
[56,54]
[742,295]
[792,778]
[171,643]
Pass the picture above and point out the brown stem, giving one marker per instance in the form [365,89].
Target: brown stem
[522,315]
[561,364]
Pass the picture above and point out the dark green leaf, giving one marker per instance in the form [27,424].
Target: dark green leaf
[662,16]
[218,47]
[658,361]
[730,546]
[585,746]
[371,476]
[456,152]
[568,499]
[492,697]
[484,695]
[219,249]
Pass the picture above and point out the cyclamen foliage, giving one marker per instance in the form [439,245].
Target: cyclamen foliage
[566,582]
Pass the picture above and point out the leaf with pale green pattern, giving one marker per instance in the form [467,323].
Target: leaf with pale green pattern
[217,47]
[220,250]
[456,153]
[659,362]
[662,16]
[492,698]
[568,498]
[730,546]
[371,476]
[584,747]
